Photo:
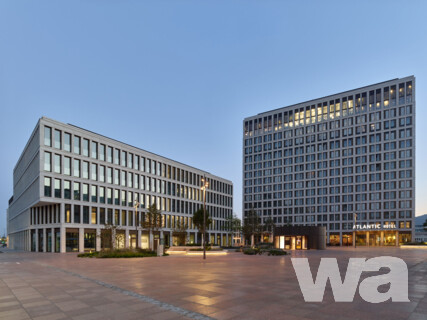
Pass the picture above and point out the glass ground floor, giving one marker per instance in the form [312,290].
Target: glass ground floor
[93,239]
[292,242]
[369,238]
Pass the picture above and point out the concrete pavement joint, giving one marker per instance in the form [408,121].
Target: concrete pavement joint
[162,305]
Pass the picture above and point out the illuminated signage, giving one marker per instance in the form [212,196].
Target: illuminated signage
[373,226]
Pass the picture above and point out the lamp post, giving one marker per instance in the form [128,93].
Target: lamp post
[355,219]
[204,186]
[136,205]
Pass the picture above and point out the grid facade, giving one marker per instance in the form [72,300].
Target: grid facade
[345,161]
[83,180]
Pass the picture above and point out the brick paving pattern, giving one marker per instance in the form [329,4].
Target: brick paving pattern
[62,286]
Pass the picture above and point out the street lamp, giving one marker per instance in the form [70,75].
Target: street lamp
[355,218]
[136,205]
[204,187]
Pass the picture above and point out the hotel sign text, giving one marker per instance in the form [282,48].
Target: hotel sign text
[375,226]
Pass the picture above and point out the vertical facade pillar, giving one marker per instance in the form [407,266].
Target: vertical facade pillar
[63,239]
[397,238]
[138,238]
[150,240]
[170,239]
[195,237]
[127,238]
[340,239]
[37,239]
[354,238]
[44,240]
[367,238]
[98,239]
[29,240]
[52,240]
[382,238]
[81,240]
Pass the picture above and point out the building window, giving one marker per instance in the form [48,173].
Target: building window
[102,194]
[101,173]
[123,217]
[48,136]
[76,189]
[116,217]
[116,197]
[67,166]
[76,145]
[102,215]
[47,187]
[57,163]
[85,192]
[57,139]
[86,214]
[116,156]
[94,171]
[67,142]
[116,177]
[109,175]
[123,198]
[67,189]
[77,214]
[94,150]
[102,152]
[47,161]
[110,155]
[123,158]
[93,215]
[57,188]
[86,147]
[76,167]
[109,196]
[94,196]
[85,170]
[67,218]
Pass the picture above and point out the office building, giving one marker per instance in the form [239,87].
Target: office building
[345,162]
[70,183]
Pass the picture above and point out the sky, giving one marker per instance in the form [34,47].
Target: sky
[177,77]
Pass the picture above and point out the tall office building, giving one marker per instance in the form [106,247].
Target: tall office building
[70,182]
[345,161]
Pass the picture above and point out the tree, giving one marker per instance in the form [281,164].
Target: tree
[180,231]
[152,221]
[198,221]
[251,225]
[109,237]
[233,224]
[269,226]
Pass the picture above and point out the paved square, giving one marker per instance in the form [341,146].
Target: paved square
[236,286]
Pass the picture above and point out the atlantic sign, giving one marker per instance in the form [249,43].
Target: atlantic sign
[374,226]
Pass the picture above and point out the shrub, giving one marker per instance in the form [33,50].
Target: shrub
[88,254]
[276,252]
[264,245]
[120,253]
[251,251]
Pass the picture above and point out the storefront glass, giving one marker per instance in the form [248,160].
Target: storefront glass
[347,239]
[389,238]
[334,239]
[361,239]
[72,241]
[405,237]
[374,239]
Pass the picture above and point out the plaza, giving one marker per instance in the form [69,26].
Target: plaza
[52,286]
